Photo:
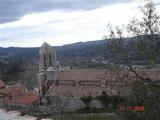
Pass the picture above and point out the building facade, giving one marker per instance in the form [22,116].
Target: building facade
[58,82]
[48,68]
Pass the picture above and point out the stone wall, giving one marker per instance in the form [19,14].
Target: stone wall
[58,105]
[66,104]
[87,90]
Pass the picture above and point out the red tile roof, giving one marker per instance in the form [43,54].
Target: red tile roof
[15,90]
[18,86]
[19,95]
[18,92]
[5,91]
[90,81]
[26,99]
[2,85]
[84,74]
[103,74]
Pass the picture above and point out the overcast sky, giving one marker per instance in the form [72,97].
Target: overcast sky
[28,23]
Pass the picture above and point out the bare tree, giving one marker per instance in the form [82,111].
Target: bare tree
[143,45]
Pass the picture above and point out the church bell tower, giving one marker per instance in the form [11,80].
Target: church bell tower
[48,67]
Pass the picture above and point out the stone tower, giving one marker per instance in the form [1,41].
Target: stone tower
[47,57]
[48,68]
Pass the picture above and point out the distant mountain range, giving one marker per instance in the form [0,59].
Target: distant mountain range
[81,51]
[90,49]
[18,64]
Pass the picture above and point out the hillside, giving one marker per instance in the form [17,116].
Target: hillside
[21,64]
[82,50]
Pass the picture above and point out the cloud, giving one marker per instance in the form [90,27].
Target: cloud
[59,27]
[62,27]
[12,10]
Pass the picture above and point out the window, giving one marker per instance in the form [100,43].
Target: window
[50,60]
[44,57]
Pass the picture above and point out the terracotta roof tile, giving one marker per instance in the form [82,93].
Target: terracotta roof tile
[84,74]
[27,99]
[15,90]
[5,91]
[103,74]
[67,81]
[2,85]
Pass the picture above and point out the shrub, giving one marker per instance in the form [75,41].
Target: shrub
[87,99]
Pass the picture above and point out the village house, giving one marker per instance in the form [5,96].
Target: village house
[17,95]
[2,85]
[27,100]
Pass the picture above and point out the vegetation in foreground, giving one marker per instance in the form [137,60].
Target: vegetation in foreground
[87,117]
[146,91]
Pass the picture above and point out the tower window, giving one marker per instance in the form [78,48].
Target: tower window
[50,60]
[57,66]
[44,57]
[50,56]
[45,64]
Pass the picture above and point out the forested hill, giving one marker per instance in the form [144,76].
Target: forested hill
[21,64]
[81,49]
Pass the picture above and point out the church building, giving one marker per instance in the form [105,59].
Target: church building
[58,82]
[54,81]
